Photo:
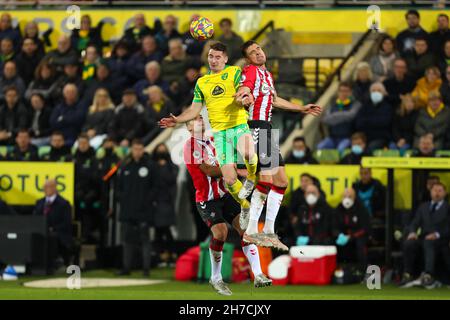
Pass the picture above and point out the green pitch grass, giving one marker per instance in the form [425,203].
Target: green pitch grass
[174,290]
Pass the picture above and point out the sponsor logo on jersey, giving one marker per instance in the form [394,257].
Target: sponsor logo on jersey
[218,90]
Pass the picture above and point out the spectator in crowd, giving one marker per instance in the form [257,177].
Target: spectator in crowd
[152,78]
[39,120]
[63,53]
[300,154]
[425,147]
[13,116]
[433,219]
[6,50]
[59,151]
[11,78]
[435,119]
[425,194]
[382,63]
[445,88]
[194,47]
[58,213]
[420,59]
[31,31]
[403,125]
[231,39]
[158,106]
[133,35]
[312,223]
[71,74]
[165,196]
[87,187]
[444,61]
[187,86]
[90,62]
[358,149]
[362,80]
[7,30]
[118,61]
[23,149]
[99,118]
[27,60]
[371,193]
[351,229]
[5,209]
[127,123]
[68,116]
[44,82]
[87,35]
[399,84]
[104,79]
[406,38]
[136,64]
[430,82]
[375,118]
[440,36]
[339,119]
[175,64]
[136,197]
[168,32]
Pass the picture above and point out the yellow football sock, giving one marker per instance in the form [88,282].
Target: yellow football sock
[252,165]
[234,191]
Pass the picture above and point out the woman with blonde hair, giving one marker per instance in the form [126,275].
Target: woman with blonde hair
[403,124]
[362,80]
[429,83]
[100,115]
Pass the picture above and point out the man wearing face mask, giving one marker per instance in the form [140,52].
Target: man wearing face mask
[375,118]
[312,222]
[301,154]
[351,229]
[358,148]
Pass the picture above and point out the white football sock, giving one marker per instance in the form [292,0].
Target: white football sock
[256,207]
[274,200]
[252,254]
[216,265]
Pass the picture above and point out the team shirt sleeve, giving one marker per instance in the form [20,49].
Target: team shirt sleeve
[248,77]
[198,95]
[237,78]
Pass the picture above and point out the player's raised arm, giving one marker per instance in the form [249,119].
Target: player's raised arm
[311,108]
[190,113]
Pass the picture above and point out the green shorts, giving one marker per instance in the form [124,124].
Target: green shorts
[226,142]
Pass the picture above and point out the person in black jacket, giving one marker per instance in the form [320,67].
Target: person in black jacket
[23,149]
[399,84]
[59,151]
[420,58]
[358,149]
[301,154]
[39,120]
[5,209]
[70,74]
[406,38]
[63,54]
[134,34]
[13,116]
[44,82]
[351,229]
[136,193]
[403,125]
[27,60]
[87,35]
[59,222]
[87,187]
[440,36]
[433,219]
[371,193]
[312,221]
[166,187]
[104,79]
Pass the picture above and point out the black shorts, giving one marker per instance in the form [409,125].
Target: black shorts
[219,211]
[267,145]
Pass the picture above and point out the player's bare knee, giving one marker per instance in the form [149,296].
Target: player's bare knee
[220,231]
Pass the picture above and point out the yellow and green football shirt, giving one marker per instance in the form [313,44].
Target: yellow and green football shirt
[216,91]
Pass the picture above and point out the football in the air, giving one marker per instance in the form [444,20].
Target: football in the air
[202,28]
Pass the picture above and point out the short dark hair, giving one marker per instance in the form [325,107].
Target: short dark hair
[245,46]
[57,133]
[413,12]
[219,46]
[83,135]
[226,20]
[422,38]
[23,130]
[137,141]
[359,135]
[387,37]
[11,88]
[439,184]
[443,15]
[346,84]
[297,139]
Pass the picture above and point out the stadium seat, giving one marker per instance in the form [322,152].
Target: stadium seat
[443,153]
[408,153]
[327,156]
[345,152]
[3,151]
[386,153]
[43,150]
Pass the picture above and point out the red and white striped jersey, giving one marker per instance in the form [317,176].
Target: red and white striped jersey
[196,152]
[260,82]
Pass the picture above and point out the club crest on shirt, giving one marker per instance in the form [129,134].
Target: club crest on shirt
[196,154]
[225,76]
